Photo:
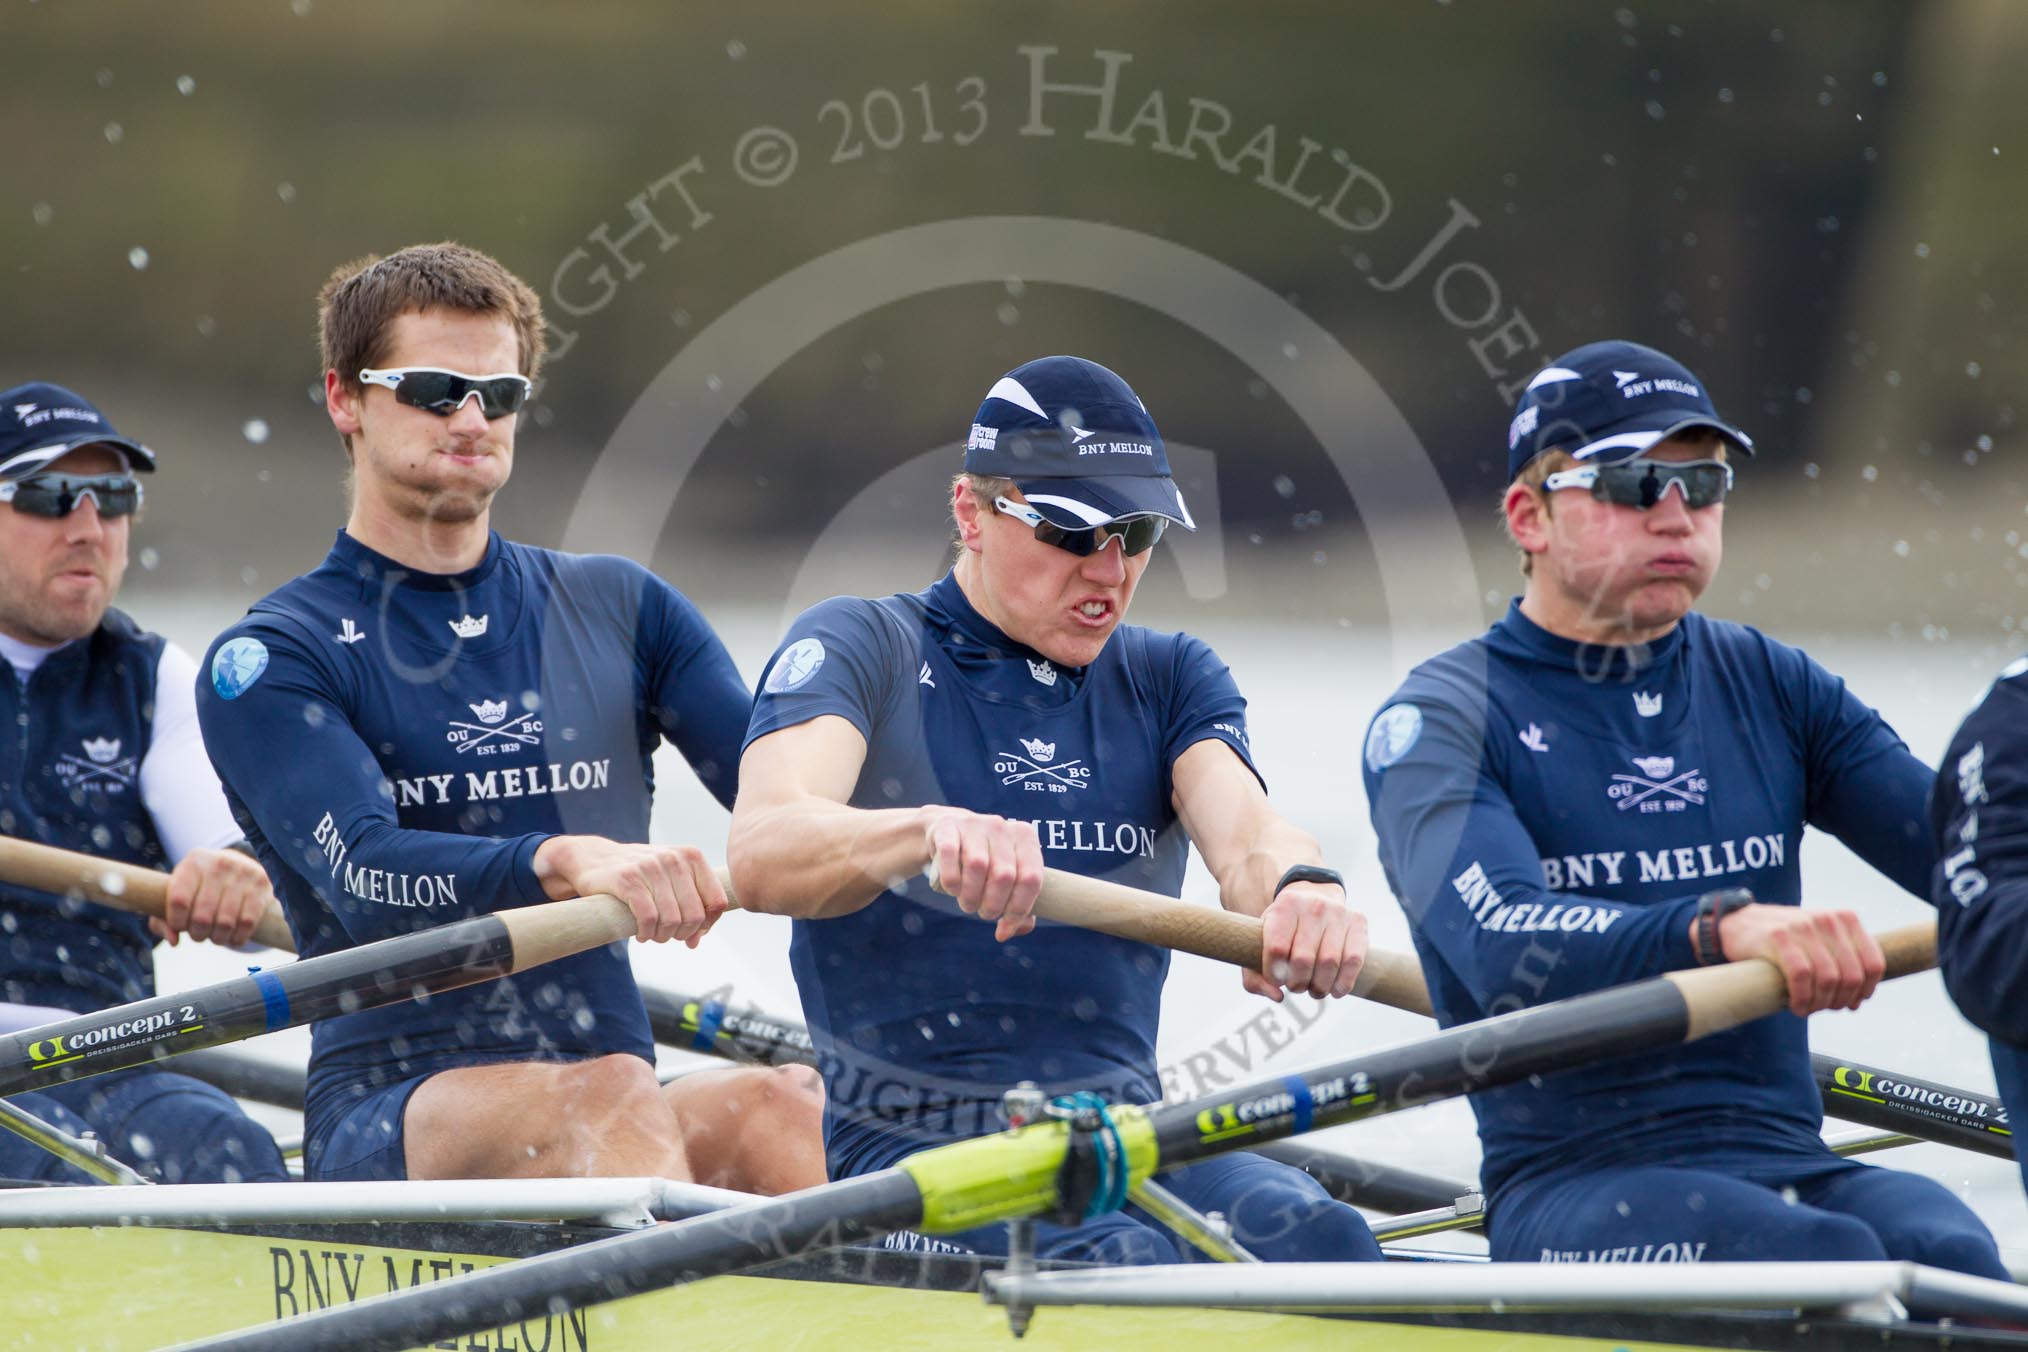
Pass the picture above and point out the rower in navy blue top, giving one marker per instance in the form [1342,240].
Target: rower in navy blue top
[107,762]
[1606,787]
[1979,816]
[1003,719]
[475,716]
[437,723]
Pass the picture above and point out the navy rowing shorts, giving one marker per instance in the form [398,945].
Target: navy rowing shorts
[170,1128]
[363,1142]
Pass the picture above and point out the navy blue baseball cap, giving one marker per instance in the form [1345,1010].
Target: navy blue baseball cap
[1078,442]
[40,422]
[1610,401]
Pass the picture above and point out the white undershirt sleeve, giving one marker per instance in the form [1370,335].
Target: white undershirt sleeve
[178,785]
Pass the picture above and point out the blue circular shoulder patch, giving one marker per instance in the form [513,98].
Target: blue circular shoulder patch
[1393,732]
[797,664]
[237,665]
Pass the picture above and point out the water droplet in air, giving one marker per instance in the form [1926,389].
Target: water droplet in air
[255,430]
[137,258]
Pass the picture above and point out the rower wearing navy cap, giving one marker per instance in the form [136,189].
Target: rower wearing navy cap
[108,761]
[1004,718]
[1608,786]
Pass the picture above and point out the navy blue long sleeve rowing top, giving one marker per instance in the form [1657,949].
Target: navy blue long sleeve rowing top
[1979,814]
[1548,814]
[920,1017]
[398,744]
[104,758]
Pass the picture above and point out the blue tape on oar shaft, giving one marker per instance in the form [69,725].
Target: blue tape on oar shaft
[710,1015]
[274,998]
[1305,1106]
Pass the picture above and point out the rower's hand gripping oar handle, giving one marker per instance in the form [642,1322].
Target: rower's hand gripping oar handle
[1393,979]
[145,891]
[124,887]
[593,919]
[1734,993]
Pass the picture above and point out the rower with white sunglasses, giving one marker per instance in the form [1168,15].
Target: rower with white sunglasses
[1608,786]
[1004,718]
[436,723]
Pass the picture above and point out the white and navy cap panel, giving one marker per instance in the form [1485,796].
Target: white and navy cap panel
[1078,441]
[1610,401]
[41,422]
[1078,503]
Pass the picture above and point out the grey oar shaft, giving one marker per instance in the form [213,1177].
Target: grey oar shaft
[386,972]
[1929,1111]
[708,1246]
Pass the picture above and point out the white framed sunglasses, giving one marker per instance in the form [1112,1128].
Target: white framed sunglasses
[436,390]
[1643,483]
[1136,534]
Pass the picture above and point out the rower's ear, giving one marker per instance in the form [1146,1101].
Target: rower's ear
[1527,512]
[969,513]
[341,401]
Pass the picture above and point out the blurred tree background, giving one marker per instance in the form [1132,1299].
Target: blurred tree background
[1814,203]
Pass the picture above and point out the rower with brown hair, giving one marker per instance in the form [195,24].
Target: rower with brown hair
[469,724]
[1609,786]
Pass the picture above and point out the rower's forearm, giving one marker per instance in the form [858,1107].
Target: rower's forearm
[815,858]
[1247,883]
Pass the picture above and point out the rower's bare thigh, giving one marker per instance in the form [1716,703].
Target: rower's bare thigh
[604,1116]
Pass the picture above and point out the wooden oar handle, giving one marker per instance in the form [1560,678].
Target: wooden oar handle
[555,929]
[1739,992]
[124,887]
[1149,917]
[1909,949]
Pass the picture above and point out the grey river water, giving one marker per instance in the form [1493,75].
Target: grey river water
[1312,690]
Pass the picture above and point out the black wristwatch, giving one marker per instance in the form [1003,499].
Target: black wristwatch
[1308,873]
[1713,907]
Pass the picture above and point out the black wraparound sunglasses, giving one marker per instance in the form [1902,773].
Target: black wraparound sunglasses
[57,495]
